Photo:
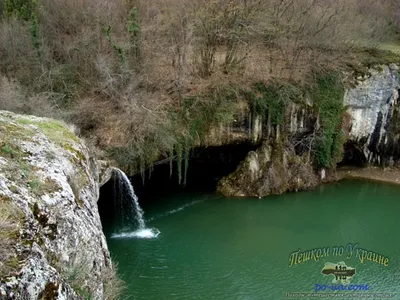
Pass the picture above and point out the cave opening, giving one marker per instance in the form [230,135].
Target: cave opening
[207,165]
[353,156]
[106,203]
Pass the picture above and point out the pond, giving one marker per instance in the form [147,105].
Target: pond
[210,247]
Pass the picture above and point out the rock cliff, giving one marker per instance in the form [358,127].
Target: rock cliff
[375,121]
[371,135]
[52,245]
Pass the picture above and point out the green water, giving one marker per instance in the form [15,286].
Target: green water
[218,248]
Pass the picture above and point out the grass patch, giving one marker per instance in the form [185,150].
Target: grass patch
[56,131]
[9,220]
[9,149]
[40,188]
[76,275]
[80,156]
[360,60]
[377,56]
[113,286]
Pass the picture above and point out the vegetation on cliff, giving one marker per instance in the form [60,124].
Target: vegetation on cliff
[147,80]
[49,223]
[327,95]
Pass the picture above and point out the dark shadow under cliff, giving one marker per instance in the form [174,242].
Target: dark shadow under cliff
[353,155]
[206,167]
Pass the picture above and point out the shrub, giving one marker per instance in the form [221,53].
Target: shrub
[327,93]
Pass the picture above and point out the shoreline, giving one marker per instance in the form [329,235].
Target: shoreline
[385,175]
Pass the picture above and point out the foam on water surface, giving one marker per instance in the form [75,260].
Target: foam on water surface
[147,233]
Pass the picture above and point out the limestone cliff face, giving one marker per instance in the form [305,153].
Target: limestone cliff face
[375,120]
[272,169]
[52,244]
[276,167]
[374,137]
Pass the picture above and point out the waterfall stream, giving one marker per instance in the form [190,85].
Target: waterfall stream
[129,211]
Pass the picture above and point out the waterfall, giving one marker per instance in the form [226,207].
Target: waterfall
[127,188]
[128,211]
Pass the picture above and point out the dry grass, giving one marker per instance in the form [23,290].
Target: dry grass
[79,271]
[113,287]
[8,235]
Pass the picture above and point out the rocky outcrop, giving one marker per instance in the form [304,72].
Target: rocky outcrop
[373,125]
[272,169]
[375,121]
[52,244]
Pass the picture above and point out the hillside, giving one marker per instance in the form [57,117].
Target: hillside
[145,81]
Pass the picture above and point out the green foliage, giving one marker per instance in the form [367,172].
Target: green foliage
[40,187]
[10,150]
[187,126]
[35,32]
[118,50]
[134,30]
[7,150]
[23,9]
[35,184]
[327,94]
[57,131]
[26,10]
[196,117]
[270,100]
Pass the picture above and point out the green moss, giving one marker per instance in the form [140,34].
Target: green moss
[40,188]
[12,263]
[188,125]
[269,100]
[9,149]
[11,131]
[56,131]
[14,189]
[53,260]
[80,156]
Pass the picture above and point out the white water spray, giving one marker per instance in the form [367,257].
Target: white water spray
[130,210]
